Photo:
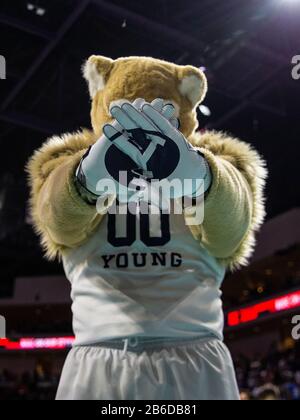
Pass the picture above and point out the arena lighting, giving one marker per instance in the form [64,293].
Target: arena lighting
[252,313]
[47,343]
[290,1]
[40,11]
[205,110]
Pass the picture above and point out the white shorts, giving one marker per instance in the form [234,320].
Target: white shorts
[149,370]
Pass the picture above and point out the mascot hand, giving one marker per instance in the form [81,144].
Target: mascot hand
[116,161]
[161,151]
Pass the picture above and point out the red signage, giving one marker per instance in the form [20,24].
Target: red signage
[253,312]
[49,343]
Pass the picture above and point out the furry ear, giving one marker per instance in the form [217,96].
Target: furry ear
[193,84]
[96,71]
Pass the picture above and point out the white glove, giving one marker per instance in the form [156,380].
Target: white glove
[165,153]
[108,156]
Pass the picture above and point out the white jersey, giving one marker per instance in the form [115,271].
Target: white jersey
[144,275]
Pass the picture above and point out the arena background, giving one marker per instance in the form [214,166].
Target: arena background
[248,50]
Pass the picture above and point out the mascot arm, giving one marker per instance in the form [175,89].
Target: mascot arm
[61,217]
[234,207]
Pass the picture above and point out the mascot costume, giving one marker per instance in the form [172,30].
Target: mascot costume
[147,309]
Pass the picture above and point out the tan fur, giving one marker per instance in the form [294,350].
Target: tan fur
[249,163]
[50,156]
[234,206]
[144,77]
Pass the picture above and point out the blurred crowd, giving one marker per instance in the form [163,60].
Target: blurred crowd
[30,386]
[262,290]
[275,377]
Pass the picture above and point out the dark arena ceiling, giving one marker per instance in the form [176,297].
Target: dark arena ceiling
[245,46]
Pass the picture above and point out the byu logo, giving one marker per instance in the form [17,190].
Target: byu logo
[2,67]
[2,327]
[117,161]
